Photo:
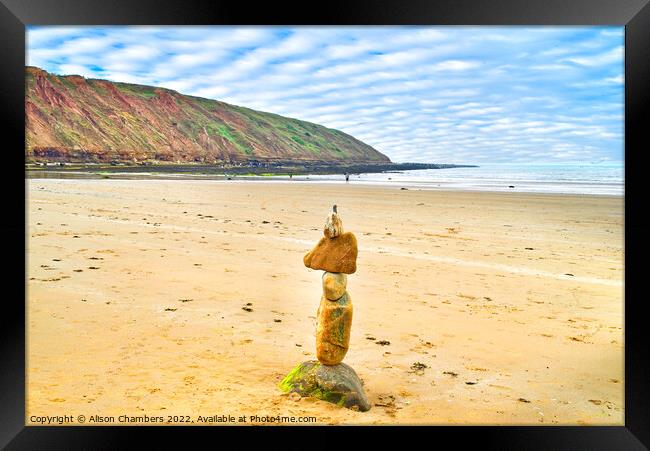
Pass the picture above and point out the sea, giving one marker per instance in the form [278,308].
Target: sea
[604,178]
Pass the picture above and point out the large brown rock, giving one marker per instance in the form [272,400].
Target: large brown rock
[338,254]
[333,329]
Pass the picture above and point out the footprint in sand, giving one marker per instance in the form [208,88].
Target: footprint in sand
[500,387]
[388,403]
[385,401]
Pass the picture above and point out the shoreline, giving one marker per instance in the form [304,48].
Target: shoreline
[302,179]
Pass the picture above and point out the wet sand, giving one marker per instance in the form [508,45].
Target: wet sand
[136,288]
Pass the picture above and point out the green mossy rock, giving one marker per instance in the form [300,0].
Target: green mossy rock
[338,384]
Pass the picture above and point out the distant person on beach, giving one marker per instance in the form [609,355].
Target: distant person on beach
[347,177]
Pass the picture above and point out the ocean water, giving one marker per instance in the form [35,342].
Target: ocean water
[595,179]
[606,179]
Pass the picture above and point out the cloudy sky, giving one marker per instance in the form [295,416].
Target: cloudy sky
[423,94]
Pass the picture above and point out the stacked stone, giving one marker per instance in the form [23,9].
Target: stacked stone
[329,379]
[336,254]
[334,320]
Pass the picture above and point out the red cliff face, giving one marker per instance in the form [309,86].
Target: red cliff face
[71,118]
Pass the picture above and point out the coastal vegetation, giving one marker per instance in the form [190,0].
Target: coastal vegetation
[73,119]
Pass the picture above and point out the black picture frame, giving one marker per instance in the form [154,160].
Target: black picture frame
[15,15]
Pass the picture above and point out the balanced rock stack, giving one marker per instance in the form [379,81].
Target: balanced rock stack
[329,379]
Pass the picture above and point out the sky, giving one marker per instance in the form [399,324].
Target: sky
[438,94]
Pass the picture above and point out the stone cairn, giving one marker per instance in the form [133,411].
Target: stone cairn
[329,379]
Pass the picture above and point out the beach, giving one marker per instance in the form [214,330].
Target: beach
[514,302]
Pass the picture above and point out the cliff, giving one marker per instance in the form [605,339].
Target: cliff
[76,119]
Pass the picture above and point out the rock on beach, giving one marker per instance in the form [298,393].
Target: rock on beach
[338,384]
[337,254]
[333,329]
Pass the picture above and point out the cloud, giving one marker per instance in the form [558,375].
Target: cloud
[473,112]
[433,94]
[454,65]
[76,69]
[41,36]
[614,55]
[618,79]
[349,50]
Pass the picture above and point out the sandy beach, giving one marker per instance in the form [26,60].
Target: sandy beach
[514,302]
